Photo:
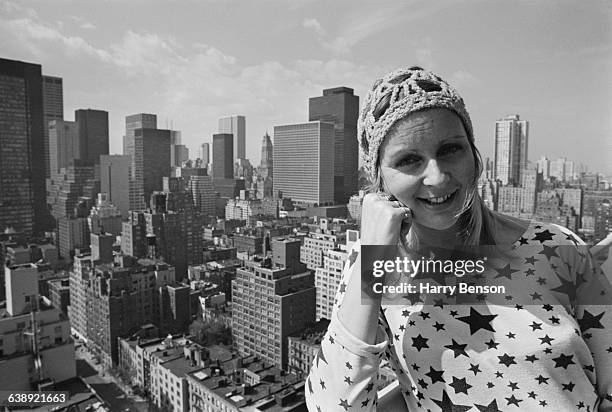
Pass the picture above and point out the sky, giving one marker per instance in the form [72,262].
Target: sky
[193,61]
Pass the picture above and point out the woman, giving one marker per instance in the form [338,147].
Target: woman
[545,344]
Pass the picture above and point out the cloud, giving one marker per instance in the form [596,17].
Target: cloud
[87,26]
[313,24]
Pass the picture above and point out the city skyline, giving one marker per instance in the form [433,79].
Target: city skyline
[192,73]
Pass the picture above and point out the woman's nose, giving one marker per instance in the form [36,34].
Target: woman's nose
[434,176]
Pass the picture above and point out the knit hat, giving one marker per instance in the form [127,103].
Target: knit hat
[395,96]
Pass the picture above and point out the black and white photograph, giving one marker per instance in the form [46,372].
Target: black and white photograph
[306,206]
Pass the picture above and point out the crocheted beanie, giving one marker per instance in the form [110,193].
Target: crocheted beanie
[395,96]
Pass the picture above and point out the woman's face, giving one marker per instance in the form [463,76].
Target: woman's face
[427,163]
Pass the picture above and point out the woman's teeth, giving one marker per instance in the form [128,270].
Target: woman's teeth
[437,200]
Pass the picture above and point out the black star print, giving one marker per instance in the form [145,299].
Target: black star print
[478,321]
[531,358]
[567,288]
[454,313]
[348,380]
[322,384]
[568,386]
[344,404]
[402,328]
[535,325]
[411,323]
[589,321]
[554,320]
[448,406]
[490,385]
[369,387]
[589,368]
[532,394]
[518,307]
[529,272]
[405,313]
[563,361]
[511,335]
[499,375]
[415,367]
[547,307]
[523,241]
[609,350]
[457,348]
[435,376]
[543,403]
[580,405]
[507,360]
[542,281]
[543,236]
[492,344]
[531,260]
[549,252]
[548,350]
[460,385]
[546,339]
[424,315]
[422,383]
[420,342]
[505,272]
[513,386]
[331,339]
[475,368]
[439,326]
[541,379]
[365,402]
[536,296]
[491,407]
[513,401]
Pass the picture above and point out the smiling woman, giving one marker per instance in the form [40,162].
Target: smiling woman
[545,345]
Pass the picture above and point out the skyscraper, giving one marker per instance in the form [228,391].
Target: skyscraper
[205,153]
[93,134]
[53,109]
[64,145]
[133,122]
[341,107]
[544,167]
[223,160]
[115,180]
[152,158]
[236,125]
[22,155]
[304,161]
[511,148]
[267,158]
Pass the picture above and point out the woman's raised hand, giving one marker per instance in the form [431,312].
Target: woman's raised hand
[383,219]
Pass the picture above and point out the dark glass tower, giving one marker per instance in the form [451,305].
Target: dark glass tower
[341,107]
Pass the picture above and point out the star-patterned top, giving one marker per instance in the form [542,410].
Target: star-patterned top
[548,348]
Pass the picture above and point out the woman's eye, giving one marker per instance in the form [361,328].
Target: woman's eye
[408,161]
[449,150]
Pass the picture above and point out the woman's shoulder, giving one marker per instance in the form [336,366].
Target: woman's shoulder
[509,230]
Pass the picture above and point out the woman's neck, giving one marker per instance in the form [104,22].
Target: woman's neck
[447,238]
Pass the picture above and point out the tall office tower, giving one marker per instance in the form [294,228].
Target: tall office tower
[68,187]
[235,125]
[178,154]
[304,162]
[569,171]
[64,145]
[543,166]
[53,109]
[341,107]
[511,149]
[266,167]
[134,235]
[202,190]
[270,301]
[150,151]
[222,156]
[133,122]
[115,180]
[22,157]
[93,134]
[28,319]
[205,153]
